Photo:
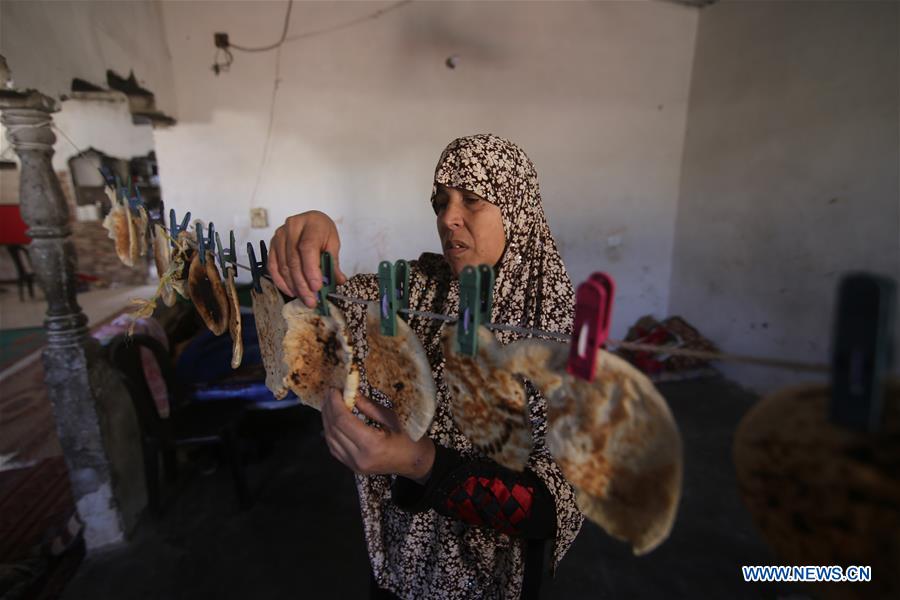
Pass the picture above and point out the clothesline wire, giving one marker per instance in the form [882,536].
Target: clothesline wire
[625,345]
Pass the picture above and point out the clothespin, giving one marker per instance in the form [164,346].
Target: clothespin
[401,270]
[201,242]
[862,350]
[258,269]
[486,292]
[328,283]
[387,292]
[227,256]
[108,178]
[475,300]
[174,227]
[593,314]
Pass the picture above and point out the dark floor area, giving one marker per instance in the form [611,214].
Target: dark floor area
[303,537]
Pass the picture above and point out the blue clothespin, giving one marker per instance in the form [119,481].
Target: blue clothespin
[862,350]
[328,283]
[174,227]
[258,269]
[475,301]
[205,243]
[387,292]
[227,256]
[108,177]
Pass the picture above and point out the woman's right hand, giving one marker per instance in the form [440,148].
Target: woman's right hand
[294,254]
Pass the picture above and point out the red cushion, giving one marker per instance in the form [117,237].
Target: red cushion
[12,227]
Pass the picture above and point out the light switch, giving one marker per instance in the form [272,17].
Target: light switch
[259,218]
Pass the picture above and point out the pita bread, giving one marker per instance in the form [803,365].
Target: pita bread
[270,329]
[487,401]
[398,367]
[208,293]
[139,235]
[821,494]
[183,253]
[614,439]
[118,225]
[319,358]
[234,320]
[162,256]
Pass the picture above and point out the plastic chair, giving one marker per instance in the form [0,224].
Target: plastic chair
[188,424]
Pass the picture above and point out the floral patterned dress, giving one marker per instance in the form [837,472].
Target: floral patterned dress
[432,552]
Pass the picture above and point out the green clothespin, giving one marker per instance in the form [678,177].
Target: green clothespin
[387,294]
[476,297]
[486,293]
[328,283]
[401,271]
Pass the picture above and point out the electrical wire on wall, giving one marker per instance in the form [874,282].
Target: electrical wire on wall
[224,58]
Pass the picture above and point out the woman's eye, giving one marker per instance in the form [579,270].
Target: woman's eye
[470,200]
[438,206]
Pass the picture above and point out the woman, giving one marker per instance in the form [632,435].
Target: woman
[441,520]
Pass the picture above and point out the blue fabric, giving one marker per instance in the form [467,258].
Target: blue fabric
[207,359]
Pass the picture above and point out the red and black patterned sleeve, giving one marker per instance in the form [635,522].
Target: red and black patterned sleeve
[481,493]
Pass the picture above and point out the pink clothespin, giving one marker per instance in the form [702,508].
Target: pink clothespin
[593,314]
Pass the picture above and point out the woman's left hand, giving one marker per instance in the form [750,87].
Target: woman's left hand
[370,451]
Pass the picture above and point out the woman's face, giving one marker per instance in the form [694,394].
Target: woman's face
[470,228]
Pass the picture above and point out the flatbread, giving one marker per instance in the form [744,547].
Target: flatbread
[162,256]
[821,494]
[234,320]
[271,329]
[487,401]
[318,356]
[208,293]
[398,367]
[183,253]
[138,235]
[118,226]
[614,439]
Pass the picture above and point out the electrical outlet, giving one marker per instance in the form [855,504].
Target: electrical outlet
[259,218]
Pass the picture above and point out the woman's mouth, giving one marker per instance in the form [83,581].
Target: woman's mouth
[455,248]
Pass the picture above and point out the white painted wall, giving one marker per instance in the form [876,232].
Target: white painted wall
[596,93]
[790,173]
[102,124]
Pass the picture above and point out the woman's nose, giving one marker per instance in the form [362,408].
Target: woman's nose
[452,217]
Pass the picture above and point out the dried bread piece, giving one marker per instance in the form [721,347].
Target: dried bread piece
[318,356]
[487,401]
[183,253]
[118,226]
[234,319]
[822,494]
[614,439]
[398,367]
[162,256]
[138,232]
[208,293]
[271,329]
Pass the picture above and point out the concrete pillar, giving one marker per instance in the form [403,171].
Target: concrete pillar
[94,418]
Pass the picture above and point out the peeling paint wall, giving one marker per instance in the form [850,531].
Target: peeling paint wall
[47,44]
[790,173]
[595,92]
